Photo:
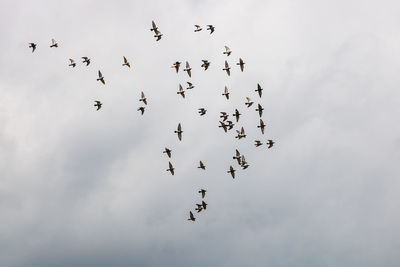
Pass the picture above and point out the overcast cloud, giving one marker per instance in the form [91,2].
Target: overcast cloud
[86,188]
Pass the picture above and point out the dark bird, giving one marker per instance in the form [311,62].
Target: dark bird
[154,27]
[188,69]
[168,151]
[261,126]
[227,51]
[33,46]
[259,90]
[237,115]
[241,64]
[230,125]
[249,102]
[238,157]
[176,65]
[191,217]
[199,207]
[73,64]
[232,171]
[171,168]
[198,28]
[202,192]
[244,163]
[202,166]
[226,93]
[158,35]
[53,43]
[98,104]
[101,78]
[126,63]
[202,111]
[223,126]
[227,68]
[190,86]
[258,143]
[240,133]
[270,143]
[205,64]
[86,60]
[224,116]
[181,91]
[141,109]
[260,110]
[179,132]
[211,28]
[204,204]
[143,98]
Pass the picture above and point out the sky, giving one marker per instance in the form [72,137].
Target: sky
[80,187]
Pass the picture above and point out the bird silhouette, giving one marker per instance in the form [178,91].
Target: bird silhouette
[204,204]
[226,93]
[227,68]
[241,64]
[260,110]
[261,126]
[181,91]
[270,143]
[257,143]
[98,104]
[101,78]
[191,217]
[249,102]
[188,69]
[126,63]
[168,152]
[211,28]
[238,157]
[73,64]
[224,116]
[202,192]
[199,207]
[202,166]
[179,132]
[205,64]
[227,51]
[198,28]
[86,60]
[190,86]
[176,65]
[259,90]
[143,98]
[236,115]
[240,133]
[223,126]
[171,168]
[141,109]
[232,171]
[202,111]
[33,46]
[53,43]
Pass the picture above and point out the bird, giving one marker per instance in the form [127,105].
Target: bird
[259,90]
[226,93]
[204,204]
[126,63]
[202,111]
[73,64]
[171,168]
[143,98]
[190,85]
[237,115]
[179,132]
[240,133]
[86,60]
[249,102]
[188,69]
[33,46]
[153,26]
[230,125]
[199,207]
[168,152]
[224,116]
[238,157]
[258,143]
[244,163]
[211,28]
[202,192]
[181,91]
[53,43]
[261,126]
[98,104]
[241,64]
[260,110]
[158,35]
[232,171]
[101,78]
[227,51]
[141,109]
[223,126]
[227,68]
[205,64]
[176,65]
[202,166]
[198,28]
[270,143]
[191,217]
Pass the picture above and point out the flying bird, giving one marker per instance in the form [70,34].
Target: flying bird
[158,35]
[143,98]
[73,64]
[98,104]
[211,28]
[204,204]
[224,116]
[230,125]
[223,126]
[168,151]
[260,110]
[86,60]
[259,90]
[179,132]
[244,163]
[141,109]
[126,63]
[241,64]
[199,207]
[227,68]
[240,133]
[226,93]
[181,91]
[232,171]
[171,168]
[261,126]
[202,166]
[191,217]
[53,43]
[227,51]
[198,28]
[249,102]
[190,86]
[238,157]
[176,65]
[202,192]
[270,143]
[236,115]
[258,143]
[153,26]
[101,78]
[205,64]
[188,69]
[202,111]
[33,46]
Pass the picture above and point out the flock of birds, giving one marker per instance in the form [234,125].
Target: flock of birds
[225,123]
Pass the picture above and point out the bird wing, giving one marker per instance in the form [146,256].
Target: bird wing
[226,90]
[260,110]
[72,61]
[100,75]
[242,131]
[187,65]
[180,88]
[53,41]
[189,83]
[226,64]
[203,193]
[227,48]
[179,127]
[153,24]
[237,153]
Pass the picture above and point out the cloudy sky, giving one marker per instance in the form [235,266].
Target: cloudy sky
[86,188]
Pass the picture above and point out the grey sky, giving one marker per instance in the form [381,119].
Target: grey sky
[86,188]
